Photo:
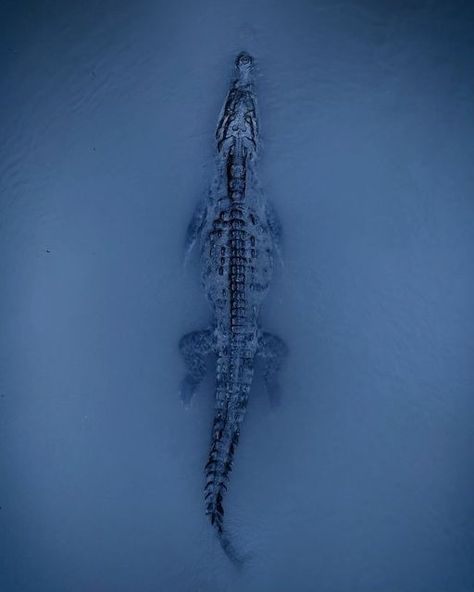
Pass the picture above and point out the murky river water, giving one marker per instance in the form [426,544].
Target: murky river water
[362,479]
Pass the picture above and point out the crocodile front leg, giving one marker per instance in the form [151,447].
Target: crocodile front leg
[273,351]
[194,229]
[194,348]
[274,226]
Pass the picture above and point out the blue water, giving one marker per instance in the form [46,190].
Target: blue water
[362,480]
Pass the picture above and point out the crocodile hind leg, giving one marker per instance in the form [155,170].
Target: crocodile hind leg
[273,351]
[194,348]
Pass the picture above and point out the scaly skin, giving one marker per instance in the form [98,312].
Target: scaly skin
[238,235]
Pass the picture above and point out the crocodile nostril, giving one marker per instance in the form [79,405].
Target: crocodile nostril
[244,60]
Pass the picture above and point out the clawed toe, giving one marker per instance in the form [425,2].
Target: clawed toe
[188,386]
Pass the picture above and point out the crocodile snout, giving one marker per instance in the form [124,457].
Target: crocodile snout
[244,63]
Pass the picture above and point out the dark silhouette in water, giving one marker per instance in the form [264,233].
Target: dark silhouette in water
[238,234]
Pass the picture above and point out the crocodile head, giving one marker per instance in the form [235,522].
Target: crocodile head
[237,128]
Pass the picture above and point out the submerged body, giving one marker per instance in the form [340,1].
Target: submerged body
[238,236]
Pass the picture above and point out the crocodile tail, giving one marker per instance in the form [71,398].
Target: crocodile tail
[231,404]
[225,437]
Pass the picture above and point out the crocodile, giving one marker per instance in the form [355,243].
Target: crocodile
[239,236]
